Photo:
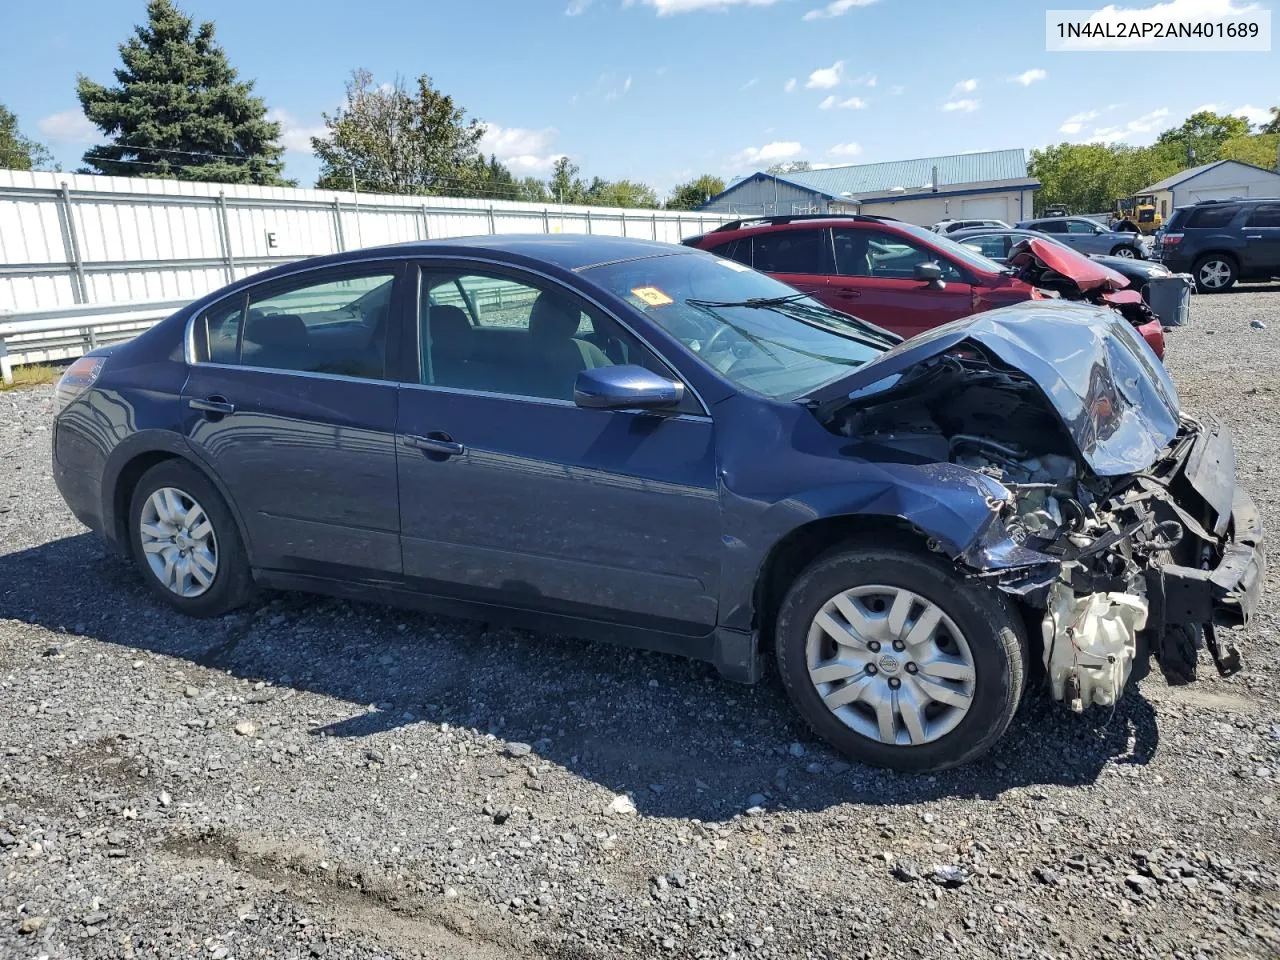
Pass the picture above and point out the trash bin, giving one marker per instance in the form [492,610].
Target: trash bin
[1170,298]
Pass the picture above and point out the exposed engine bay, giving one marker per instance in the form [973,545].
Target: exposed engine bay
[1133,563]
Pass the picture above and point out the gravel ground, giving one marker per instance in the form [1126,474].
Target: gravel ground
[314,778]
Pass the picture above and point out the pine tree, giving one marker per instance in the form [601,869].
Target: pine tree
[179,110]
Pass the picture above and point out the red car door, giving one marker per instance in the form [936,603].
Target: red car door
[800,257]
[875,281]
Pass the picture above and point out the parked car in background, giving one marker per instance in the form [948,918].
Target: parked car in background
[1222,242]
[901,277]
[995,245]
[635,441]
[951,226]
[1088,236]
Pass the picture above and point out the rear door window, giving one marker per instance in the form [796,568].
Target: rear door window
[1050,226]
[1213,215]
[792,251]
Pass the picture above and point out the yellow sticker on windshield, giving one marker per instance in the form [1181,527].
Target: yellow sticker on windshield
[652,296]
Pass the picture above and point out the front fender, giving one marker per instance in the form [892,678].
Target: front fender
[955,510]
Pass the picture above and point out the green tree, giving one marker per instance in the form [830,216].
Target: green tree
[178,109]
[565,186]
[791,166]
[394,141]
[691,195]
[1258,149]
[621,193]
[534,190]
[1272,125]
[18,152]
[1201,136]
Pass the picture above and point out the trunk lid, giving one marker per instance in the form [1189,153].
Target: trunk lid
[1112,395]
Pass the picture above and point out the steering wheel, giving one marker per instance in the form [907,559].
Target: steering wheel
[710,346]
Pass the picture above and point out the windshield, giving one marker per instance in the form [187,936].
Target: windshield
[947,245]
[781,345]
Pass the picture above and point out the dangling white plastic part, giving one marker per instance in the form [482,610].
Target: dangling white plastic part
[1090,643]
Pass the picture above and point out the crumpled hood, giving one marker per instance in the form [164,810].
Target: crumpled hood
[1114,397]
[1086,273]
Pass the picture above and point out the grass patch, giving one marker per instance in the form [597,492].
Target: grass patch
[31,375]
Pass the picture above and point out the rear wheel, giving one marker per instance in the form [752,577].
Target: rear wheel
[1214,273]
[897,662]
[1127,252]
[186,542]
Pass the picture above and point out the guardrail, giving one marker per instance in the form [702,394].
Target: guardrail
[64,333]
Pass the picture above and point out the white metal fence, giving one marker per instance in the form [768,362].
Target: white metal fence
[78,242]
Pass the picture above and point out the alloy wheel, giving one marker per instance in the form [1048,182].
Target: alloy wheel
[890,665]
[1126,252]
[178,542]
[1215,274]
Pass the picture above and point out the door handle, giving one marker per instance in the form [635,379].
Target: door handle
[212,405]
[849,294]
[441,444]
[1253,236]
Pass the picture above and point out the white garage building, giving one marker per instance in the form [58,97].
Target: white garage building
[988,185]
[1220,180]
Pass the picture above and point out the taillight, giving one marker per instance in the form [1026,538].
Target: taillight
[78,378]
[1171,239]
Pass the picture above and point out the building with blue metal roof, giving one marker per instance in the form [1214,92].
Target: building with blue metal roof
[989,185]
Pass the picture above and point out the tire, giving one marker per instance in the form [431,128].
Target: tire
[989,627]
[204,592]
[1126,251]
[1215,273]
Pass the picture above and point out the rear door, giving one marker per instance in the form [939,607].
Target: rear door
[292,402]
[875,280]
[1261,253]
[799,257]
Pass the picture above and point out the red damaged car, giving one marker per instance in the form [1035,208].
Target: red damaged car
[908,279]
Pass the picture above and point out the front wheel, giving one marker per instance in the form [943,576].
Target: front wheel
[1214,273]
[896,661]
[186,542]
[1127,252]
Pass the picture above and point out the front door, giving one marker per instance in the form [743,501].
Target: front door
[291,402]
[512,494]
[1262,242]
[875,280]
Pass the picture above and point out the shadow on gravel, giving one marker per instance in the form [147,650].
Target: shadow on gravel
[683,742]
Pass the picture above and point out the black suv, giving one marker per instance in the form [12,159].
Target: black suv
[1221,241]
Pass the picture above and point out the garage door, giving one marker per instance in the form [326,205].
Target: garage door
[984,208]
[1219,193]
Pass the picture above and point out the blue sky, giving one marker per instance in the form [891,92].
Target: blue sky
[660,90]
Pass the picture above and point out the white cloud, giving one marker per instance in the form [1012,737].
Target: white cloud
[295,136]
[1256,115]
[1028,77]
[1075,123]
[1211,107]
[836,8]
[769,153]
[835,103]
[577,7]
[750,83]
[525,151]
[866,80]
[897,90]
[964,86]
[668,8]
[1122,132]
[824,78]
[961,106]
[1170,11]
[68,126]
[615,92]
[789,86]
[845,150]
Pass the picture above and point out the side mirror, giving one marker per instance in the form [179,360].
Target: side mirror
[930,273]
[626,387]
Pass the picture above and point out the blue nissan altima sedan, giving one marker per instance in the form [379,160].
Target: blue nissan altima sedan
[649,444]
